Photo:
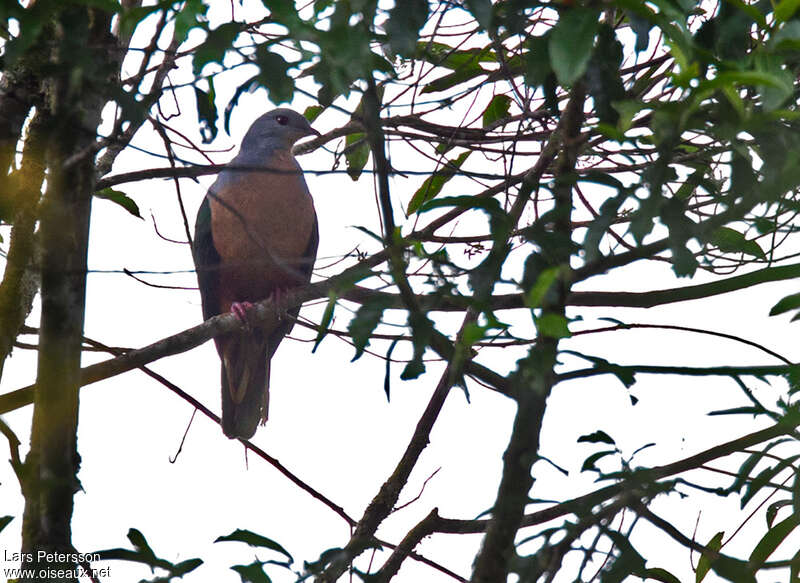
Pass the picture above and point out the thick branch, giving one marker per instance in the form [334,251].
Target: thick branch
[585,503]
[386,498]
[727,371]
[392,565]
[20,89]
[195,336]
[21,278]
[384,501]
[646,299]
[535,377]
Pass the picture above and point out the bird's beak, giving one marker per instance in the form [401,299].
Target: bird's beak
[313,132]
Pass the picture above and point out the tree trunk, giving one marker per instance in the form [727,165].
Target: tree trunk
[73,107]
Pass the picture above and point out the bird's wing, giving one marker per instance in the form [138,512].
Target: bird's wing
[310,254]
[305,268]
[206,260]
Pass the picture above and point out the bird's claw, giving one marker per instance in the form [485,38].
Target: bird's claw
[242,311]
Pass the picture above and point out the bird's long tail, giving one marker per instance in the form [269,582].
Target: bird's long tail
[245,382]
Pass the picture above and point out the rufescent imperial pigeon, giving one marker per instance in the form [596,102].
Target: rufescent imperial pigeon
[255,237]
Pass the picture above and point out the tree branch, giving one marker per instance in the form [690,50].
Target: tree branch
[21,277]
[535,377]
[384,501]
[195,336]
[728,371]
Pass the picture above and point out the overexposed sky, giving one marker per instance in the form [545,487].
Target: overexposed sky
[330,422]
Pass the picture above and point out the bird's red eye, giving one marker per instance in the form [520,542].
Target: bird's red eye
[282,119]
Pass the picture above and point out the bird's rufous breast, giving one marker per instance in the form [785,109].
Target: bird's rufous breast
[261,223]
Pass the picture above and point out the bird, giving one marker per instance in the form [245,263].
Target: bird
[256,237]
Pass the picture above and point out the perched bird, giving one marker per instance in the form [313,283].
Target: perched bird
[255,237]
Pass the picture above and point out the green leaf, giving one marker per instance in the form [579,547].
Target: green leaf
[660,574]
[627,109]
[732,241]
[787,38]
[405,21]
[365,321]
[312,112]
[763,478]
[457,77]
[597,437]
[282,12]
[216,44]
[443,55]
[472,333]
[498,218]
[609,211]
[387,382]
[552,326]
[274,75]
[356,154]
[413,369]
[641,28]
[603,77]
[140,544]
[537,60]
[191,15]
[432,185]
[207,113]
[481,10]
[796,494]
[790,302]
[252,573]
[704,564]
[254,540]
[773,509]
[4,520]
[571,43]
[130,17]
[674,216]
[327,556]
[142,553]
[248,86]
[785,9]
[325,323]
[733,570]
[421,329]
[589,462]
[184,567]
[496,110]
[625,375]
[628,561]
[544,283]
[771,540]
[743,475]
[121,199]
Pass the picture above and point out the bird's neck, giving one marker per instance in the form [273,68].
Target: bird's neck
[257,149]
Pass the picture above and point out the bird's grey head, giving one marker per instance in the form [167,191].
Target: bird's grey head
[279,128]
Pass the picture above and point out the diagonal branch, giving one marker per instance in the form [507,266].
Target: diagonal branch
[585,503]
[245,442]
[197,335]
[384,501]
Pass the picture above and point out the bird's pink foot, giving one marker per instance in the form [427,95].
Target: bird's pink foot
[242,311]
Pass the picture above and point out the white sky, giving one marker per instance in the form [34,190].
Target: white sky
[330,422]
